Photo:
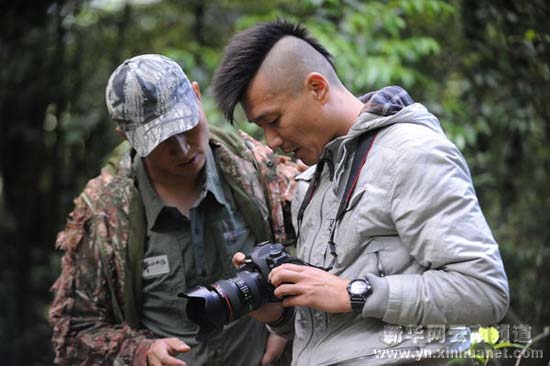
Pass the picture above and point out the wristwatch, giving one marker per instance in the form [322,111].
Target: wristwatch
[358,289]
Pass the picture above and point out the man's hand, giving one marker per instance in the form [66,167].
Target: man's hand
[273,349]
[162,352]
[268,312]
[312,287]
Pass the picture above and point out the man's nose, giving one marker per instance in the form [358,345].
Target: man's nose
[179,144]
[273,139]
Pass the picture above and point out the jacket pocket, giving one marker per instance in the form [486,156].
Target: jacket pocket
[375,249]
[361,259]
[393,256]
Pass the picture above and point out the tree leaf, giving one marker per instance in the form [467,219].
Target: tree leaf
[489,335]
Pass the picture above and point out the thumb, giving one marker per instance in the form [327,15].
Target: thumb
[177,345]
[238,259]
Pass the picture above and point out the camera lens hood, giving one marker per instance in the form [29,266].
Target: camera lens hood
[206,310]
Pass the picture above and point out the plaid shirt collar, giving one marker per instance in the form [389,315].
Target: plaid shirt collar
[386,101]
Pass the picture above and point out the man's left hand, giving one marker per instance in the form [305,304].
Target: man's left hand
[312,287]
[273,349]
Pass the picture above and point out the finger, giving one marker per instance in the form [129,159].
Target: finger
[155,352]
[153,361]
[177,346]
[167,360]
[287,266]
[238,259]
[289,301]
[285,276]
[163,359]
[288,289]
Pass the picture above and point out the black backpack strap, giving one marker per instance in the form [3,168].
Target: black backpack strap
[309,193]
[364,144]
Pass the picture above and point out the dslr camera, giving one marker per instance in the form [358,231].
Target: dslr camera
[225,301]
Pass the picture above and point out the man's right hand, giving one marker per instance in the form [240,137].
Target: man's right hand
[268,312]
[162,352]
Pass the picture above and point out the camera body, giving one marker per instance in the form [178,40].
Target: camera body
[225,301]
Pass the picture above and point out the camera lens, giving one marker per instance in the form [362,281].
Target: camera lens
[227,300]
[224,301]
[205,309]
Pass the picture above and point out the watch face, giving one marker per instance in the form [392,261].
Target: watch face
[358,287]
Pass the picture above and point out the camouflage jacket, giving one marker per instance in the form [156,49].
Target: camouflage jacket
[95,311]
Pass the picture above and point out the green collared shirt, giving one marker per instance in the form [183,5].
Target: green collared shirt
[184,251]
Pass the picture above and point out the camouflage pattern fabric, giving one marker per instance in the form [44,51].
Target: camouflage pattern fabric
[277,173]
[89,324]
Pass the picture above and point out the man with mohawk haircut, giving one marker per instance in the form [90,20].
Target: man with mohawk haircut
[387,216]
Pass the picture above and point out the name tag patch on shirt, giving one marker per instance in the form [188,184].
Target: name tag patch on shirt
[155,266]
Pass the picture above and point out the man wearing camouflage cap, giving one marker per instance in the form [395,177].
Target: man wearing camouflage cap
[167,212]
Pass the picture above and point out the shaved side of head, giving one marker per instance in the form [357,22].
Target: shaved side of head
[289,63]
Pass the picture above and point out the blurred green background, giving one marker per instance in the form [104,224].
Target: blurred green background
[481,66]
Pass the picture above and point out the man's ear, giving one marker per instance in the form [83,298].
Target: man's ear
[120,133]
[318,86]
[197,89]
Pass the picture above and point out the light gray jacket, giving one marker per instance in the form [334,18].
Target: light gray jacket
[414,228]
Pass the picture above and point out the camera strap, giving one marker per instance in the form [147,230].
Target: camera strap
[364,145]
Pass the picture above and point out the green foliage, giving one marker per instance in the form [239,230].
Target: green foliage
[485,346]
[373,44]
[489,335]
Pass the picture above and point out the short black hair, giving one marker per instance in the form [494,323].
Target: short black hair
[244,55]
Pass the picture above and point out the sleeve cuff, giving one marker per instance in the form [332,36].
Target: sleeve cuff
[377,303]
[140,357]
[284,326]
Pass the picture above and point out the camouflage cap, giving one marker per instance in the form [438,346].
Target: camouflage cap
[151,99]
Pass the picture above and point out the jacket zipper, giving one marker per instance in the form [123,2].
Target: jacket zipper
[310,313]
[320,221]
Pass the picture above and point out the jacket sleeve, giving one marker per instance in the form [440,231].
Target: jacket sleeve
[438,217]
[85,326]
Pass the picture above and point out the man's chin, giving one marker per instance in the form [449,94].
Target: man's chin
[191,167]
[308,160]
